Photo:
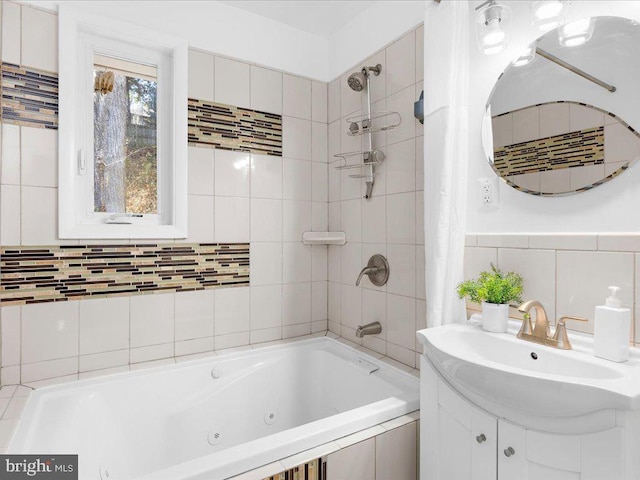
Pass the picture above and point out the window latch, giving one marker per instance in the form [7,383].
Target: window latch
[82,165]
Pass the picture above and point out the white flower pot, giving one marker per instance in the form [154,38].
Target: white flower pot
[495,317]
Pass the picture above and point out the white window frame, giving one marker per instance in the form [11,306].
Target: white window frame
[80,35]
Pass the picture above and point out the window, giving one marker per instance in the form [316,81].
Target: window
[123,130]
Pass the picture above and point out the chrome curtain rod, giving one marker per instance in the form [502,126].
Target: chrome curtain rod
[576,70]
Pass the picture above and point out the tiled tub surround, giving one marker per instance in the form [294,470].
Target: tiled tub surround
[393,450]
[391,222]
[568,273]
[234,197]
[41,274]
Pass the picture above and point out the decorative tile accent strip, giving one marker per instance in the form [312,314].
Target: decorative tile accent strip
[233,128]
[61,273]
[573,149]
[312,470]
[29,97]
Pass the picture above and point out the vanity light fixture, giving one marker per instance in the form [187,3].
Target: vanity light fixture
[490,20]
[548,14]
[575,33]
[525,58]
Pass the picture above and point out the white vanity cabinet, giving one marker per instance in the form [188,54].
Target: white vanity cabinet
[460,441]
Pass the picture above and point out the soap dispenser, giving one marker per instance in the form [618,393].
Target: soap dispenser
[612,329]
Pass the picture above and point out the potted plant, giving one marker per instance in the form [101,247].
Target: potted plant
[494,291]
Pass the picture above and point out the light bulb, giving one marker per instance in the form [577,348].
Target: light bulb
[575,33]
[494,34]
[547,14]
[547,9]
[490,23]
[525,58]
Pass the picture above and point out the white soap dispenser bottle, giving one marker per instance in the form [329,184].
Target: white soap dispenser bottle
[612,329]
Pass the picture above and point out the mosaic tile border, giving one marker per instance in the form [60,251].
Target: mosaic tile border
[29,97]
[61,273]
[586,187]
[238,129]
[313,470]
[568,150]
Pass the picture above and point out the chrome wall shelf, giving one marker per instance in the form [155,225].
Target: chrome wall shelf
[372,123]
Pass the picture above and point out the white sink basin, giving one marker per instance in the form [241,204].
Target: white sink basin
[531,378]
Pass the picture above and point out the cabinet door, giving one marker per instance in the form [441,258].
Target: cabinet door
[531,455]
[458,441]
[468,439]
[512,458]
[484,441]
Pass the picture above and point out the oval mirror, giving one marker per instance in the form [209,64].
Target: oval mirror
[562,117]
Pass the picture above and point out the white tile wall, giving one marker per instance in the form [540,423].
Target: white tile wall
[296,138]
[49,331]
[266,176]
[269,201]
[152,319]
[319,102]
[38,215]
[232,310]
[39,39]
[568,273]
[387,223]
[11,26]
[201,171]
[356,461]
[201,68]
[232,82]
[10,172]
[296,97]
[266,90]
[232,173]
[401,63]
[194,315]
[10,215]
[10,327]
[103,325]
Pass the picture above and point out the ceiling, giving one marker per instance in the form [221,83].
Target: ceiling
[319,17]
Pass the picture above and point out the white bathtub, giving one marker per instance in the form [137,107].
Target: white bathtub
[214,418]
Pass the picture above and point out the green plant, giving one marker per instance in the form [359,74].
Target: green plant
[493,287]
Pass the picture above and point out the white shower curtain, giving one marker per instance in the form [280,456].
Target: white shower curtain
[445,156]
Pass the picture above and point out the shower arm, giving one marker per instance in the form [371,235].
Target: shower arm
[576,70]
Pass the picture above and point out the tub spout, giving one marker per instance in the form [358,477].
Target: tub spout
[372,328]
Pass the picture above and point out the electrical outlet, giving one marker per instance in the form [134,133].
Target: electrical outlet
[488,193]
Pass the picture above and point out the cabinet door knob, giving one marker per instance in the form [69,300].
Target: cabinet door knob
[509,451]
[481,438]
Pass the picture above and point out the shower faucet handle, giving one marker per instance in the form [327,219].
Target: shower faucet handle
[377,270]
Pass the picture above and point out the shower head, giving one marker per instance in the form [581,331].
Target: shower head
[358,80]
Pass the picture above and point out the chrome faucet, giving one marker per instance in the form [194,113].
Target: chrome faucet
[377,270]
[540,332]
[372,328]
